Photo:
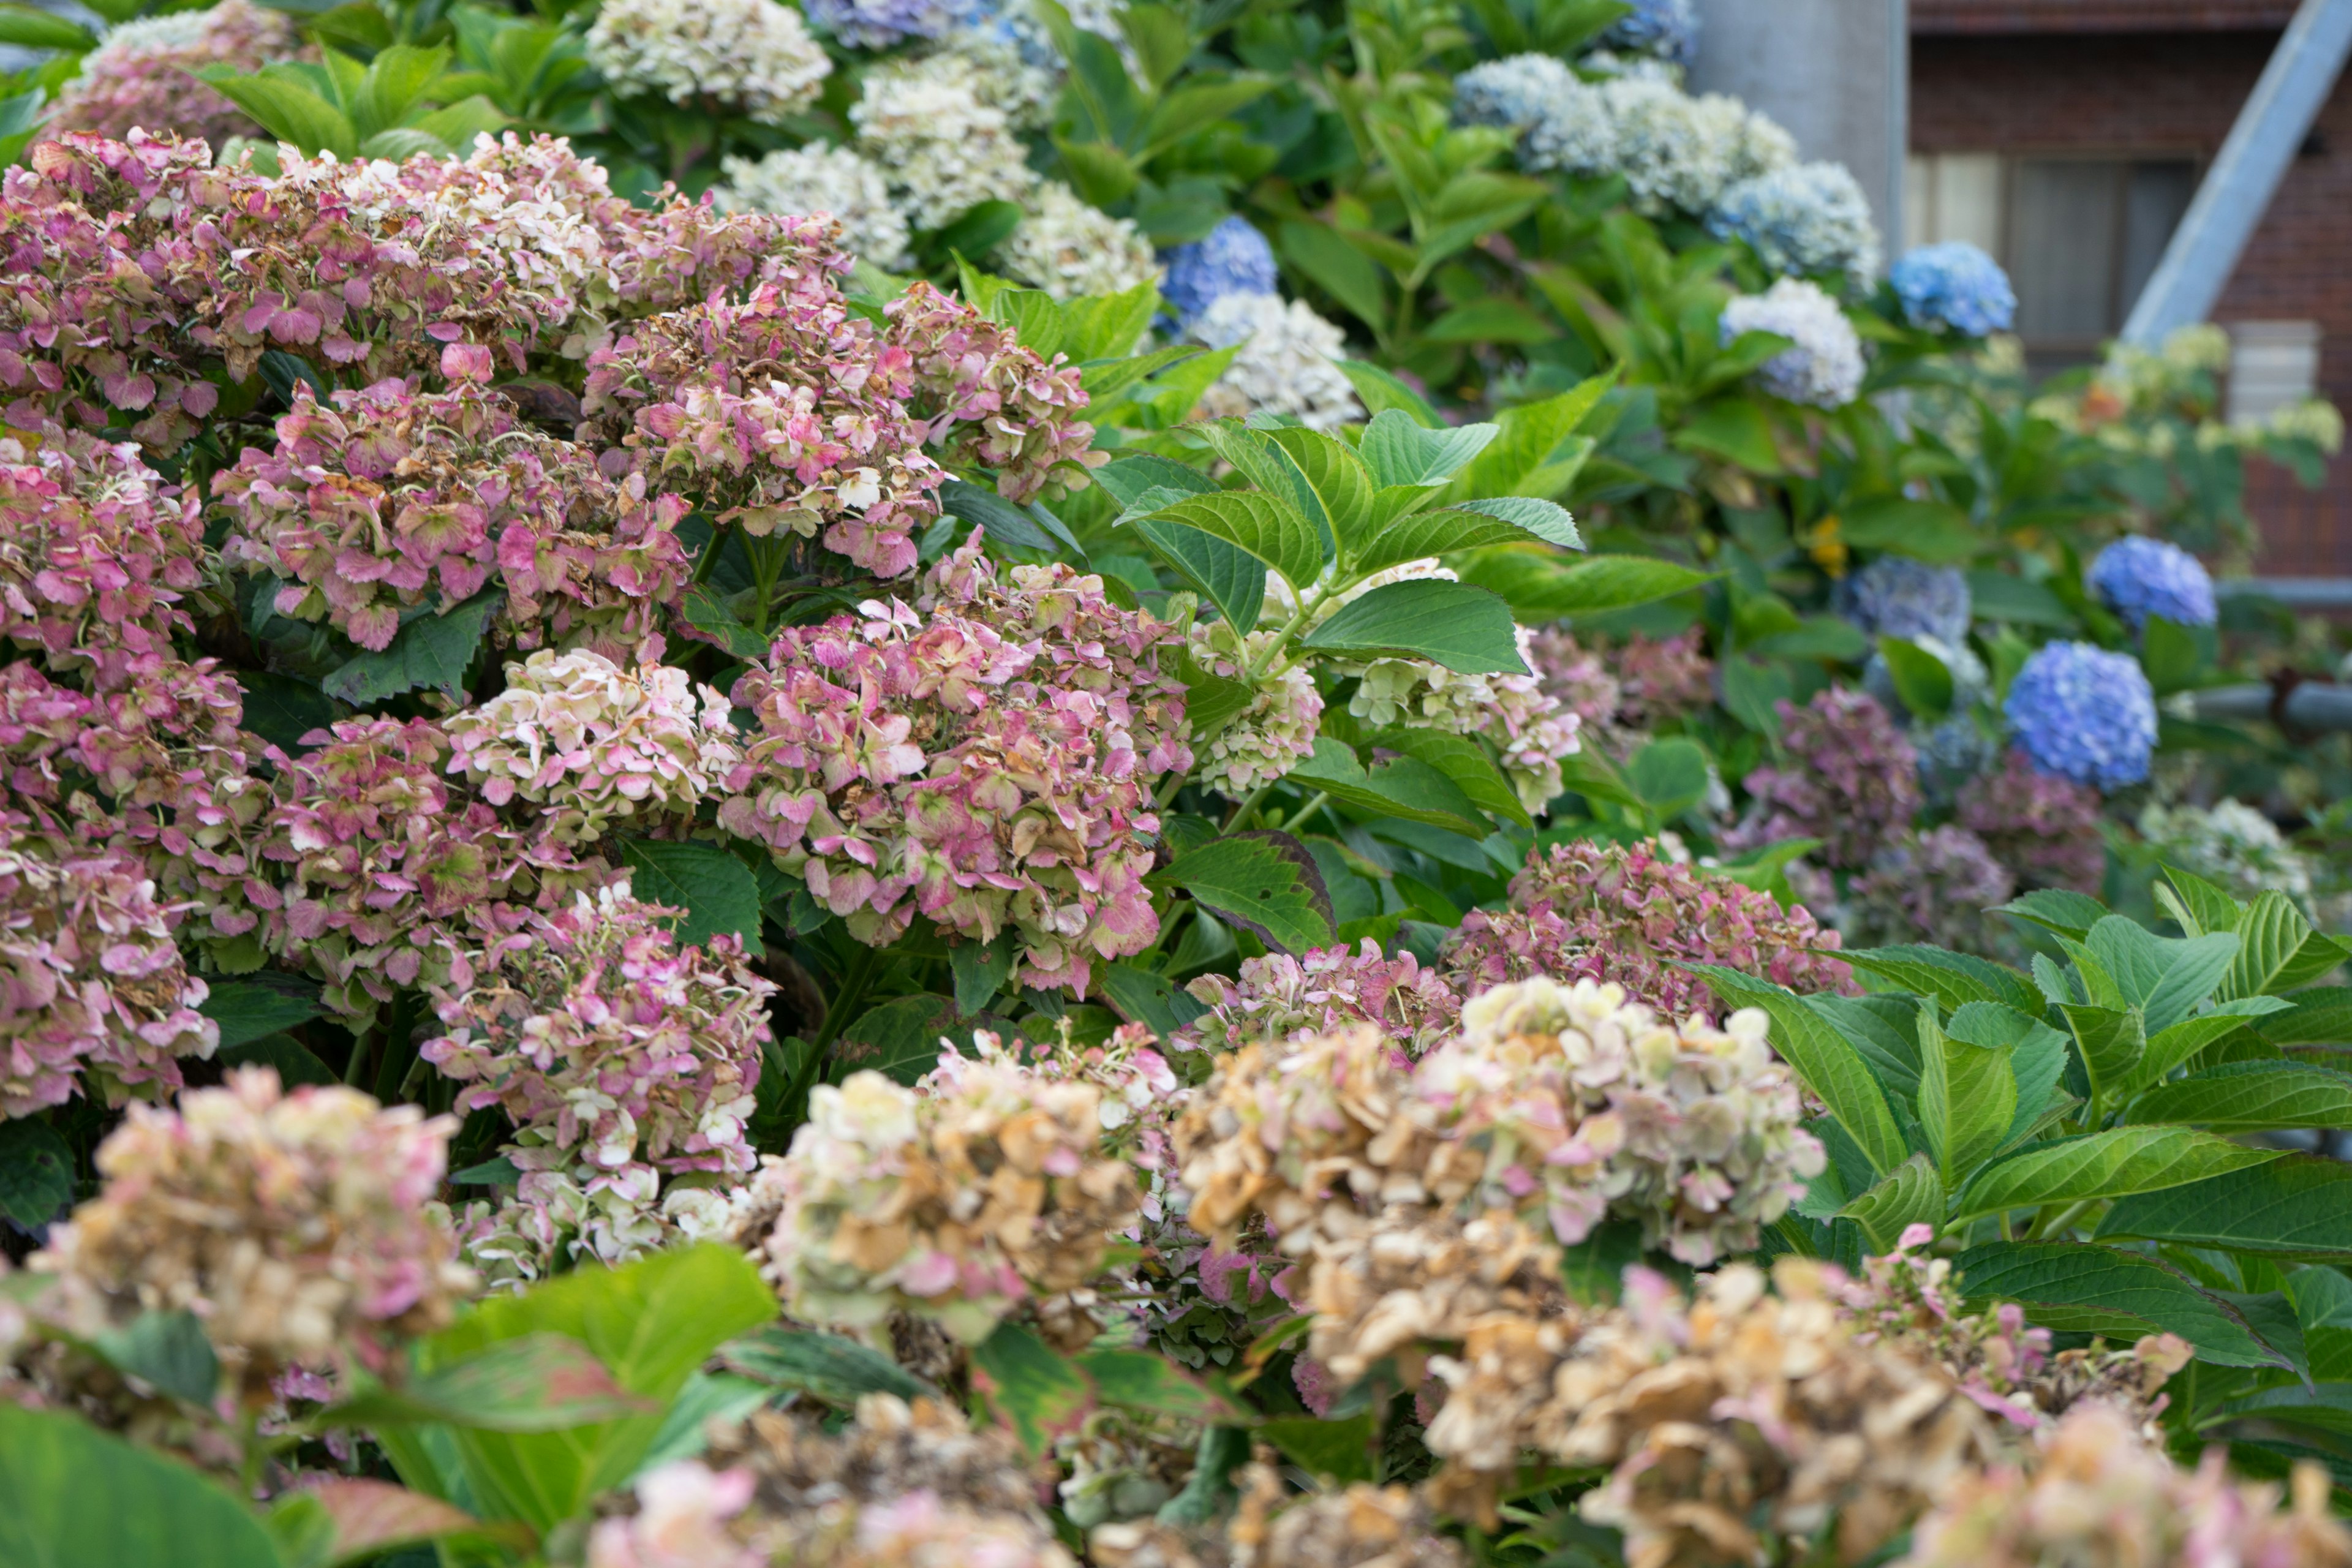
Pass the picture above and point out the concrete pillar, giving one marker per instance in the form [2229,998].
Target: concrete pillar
[1836,74]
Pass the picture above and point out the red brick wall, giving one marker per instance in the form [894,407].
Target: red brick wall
[2170,92]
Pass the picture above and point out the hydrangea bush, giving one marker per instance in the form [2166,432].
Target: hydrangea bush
[939,845]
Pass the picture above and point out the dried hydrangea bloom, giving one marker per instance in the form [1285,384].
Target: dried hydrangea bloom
[984,758]
[291,1225]
[608,1047]
[933,126]
[1277,731]
[1363,1526]
[957,1204]
[1562,1106]
[1846,775]
[96,553]
[684,1511]
[1629,915]
[2045,828]
[388,498]
[2099,1497]
[1278,997]
[592,744]
[390,876]
[1619,694]
[838,182]
[1070,247]
[1288,361]
[551,1221]
[142,73]
[783,413]
[93,982]
[1729,1424]
[755,56]
[990,401]
[1932,886]
[1906,1297]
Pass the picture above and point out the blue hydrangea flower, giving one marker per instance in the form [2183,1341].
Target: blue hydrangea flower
[2138,578]
[1897,596]
[1666,28]
[879,24]
[1234,259]
[1805,220]
[2084,714]
[1954,285]
[1517,91]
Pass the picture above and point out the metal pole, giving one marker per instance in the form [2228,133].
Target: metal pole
[2237,189]
[2317,706]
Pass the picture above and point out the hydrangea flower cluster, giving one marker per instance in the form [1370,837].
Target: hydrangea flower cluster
[1779,1428]
[955,1203]
[1897,596]
[2099,1496]
[1071,248]
[984,758]
[292,1225]
[1629,916]
[1804,219]
[1846,775]
[754,55]
[1823,365]
[879,24]
[1288,362]
[1533,730]
[989,401]
[1276,731]
[1356,1526]
[591,743]
[1232,259]
[1560,1105]
[2230,844]
[1278,997]
[369,509]
[2138,578]
[388,877]
[93,981]
[1666,28]
[930,126]
[1932,886]
[783,413]
[142,72]
[2045,828]
[98,554]
[1957,748]
[1954,286]
[2084,714]
[838,182]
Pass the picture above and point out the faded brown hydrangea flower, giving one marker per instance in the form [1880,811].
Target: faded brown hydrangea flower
[1364,1526]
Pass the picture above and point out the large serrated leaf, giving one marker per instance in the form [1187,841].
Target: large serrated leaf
[1266,527]
[1334,473]
[433,651]
[1400,450]
[826,1366]
[1951,978]
[2280,950]
[247,1010]
[1468,630]
[715,892]
[37,1172]
[2297,1207]
[2251,1097]
[1823,1058]
[1968,1099]
[1909,1195]
[2110,1042]
[1266,881]
[1463,760]
[2077,1286]
[1040,1394]
[1543,586]
[2111,1164]
[78,1498]
[1403,788]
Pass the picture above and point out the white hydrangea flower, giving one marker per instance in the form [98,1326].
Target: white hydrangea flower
[943,147]
[1011,70]
[1276,732]
[820,179]
[754,53]
[1824,366]
[2230,844]
[594,742]
[1287,363]
[1531,729]
[1069,248]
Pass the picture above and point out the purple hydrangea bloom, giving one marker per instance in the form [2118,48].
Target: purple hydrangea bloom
[1897,596]
[879,24]
[1666,28]
[2138,578]
[1234,259]
[1954,285]
[2083,713]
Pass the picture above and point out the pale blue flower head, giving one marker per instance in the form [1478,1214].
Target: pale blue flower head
[1234,258]
[1666,28]
[1954,286]
[879,24]
[1897,596]
[2084,714]
[2138,578]
[1805,220]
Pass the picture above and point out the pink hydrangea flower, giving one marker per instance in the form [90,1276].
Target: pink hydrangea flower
[1278,997]
[1847,775]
